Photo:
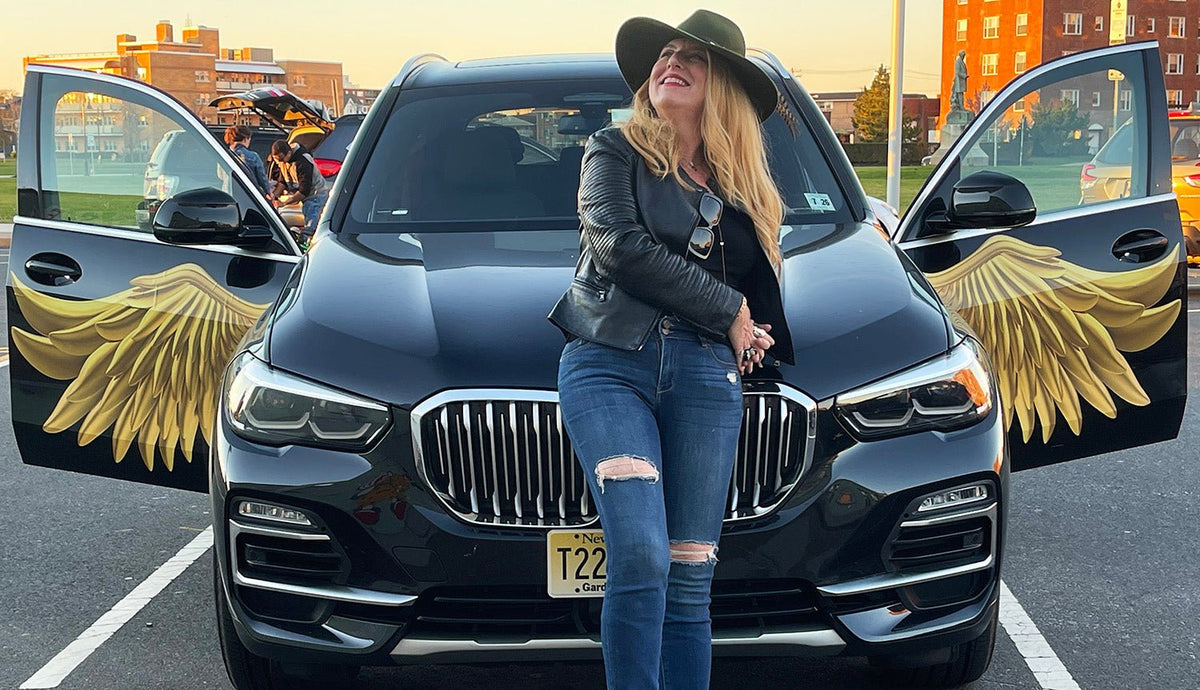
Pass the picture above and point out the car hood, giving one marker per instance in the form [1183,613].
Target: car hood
[399,317]
[282,108]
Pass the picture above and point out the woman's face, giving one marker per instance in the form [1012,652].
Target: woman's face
[679,78]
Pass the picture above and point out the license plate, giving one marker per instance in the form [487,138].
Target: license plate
[575,562]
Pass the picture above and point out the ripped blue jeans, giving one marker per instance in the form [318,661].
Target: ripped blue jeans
[656,431]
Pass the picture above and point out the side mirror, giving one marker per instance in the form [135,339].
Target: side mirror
[205,216]
[990,199]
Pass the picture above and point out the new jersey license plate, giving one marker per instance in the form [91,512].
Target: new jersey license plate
[575,563]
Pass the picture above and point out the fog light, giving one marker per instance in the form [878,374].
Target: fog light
[267,511]
[954,497]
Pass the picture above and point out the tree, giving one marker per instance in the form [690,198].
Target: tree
[872,111]
[1058,129]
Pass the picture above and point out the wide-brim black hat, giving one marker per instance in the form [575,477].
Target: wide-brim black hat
[640,41]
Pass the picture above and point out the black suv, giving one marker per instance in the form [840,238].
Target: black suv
[376,421]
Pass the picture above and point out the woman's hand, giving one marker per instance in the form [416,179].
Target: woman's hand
[749,342]
[762,337]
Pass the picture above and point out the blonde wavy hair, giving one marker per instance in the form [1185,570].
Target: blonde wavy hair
[732,145]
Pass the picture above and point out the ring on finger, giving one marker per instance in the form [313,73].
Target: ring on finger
[758,332]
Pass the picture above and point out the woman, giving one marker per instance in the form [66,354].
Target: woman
[237,138]
[680,246]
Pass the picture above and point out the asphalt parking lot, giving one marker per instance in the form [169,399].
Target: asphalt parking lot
[1102,563]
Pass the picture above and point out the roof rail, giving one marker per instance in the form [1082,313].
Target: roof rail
[412,64]
[769,58]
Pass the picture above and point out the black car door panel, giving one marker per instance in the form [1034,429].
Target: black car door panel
[118,340]
[1083,311]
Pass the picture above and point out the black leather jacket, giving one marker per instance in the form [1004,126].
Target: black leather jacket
[632,268]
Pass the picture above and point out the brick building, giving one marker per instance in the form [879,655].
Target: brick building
[10,118]
[358,100]
[195,69]
[838,109]
[1004,38]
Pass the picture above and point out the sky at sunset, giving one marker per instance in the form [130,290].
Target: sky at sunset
[835,45]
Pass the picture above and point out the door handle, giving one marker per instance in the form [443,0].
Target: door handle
[1140,246]
[54,269]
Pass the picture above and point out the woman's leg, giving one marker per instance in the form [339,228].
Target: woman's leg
[700,421]
[606,397]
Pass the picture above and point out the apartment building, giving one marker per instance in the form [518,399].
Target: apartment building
[1004,38]
[192,67]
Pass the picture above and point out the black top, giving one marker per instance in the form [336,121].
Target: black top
[740,249]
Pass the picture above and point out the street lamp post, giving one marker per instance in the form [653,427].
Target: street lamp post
[84,100]
[896,127]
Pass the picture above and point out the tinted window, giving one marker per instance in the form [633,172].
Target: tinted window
[452,158]
[337,143]
[1053,145]
[1185,139]
[1119,149]
[111,156]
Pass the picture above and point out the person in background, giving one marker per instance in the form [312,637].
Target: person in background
[237,137]
[299,180]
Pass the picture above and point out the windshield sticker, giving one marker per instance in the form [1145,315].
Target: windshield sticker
[819,202]
[620,115]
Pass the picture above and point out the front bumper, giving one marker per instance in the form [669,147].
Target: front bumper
[387,575]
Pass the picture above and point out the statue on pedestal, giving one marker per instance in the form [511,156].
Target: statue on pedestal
[960,80]
[958,117]
[958,112]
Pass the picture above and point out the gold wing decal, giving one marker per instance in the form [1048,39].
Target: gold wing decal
[146,362]
[1055,331]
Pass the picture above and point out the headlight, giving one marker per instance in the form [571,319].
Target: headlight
[948,392]
[268,406]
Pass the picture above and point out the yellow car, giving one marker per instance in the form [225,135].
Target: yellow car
[1106,177]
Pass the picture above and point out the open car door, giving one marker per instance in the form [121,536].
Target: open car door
[1083,309]
[141,254]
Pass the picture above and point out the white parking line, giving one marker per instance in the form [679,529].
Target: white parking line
[58,668]
[1041,659]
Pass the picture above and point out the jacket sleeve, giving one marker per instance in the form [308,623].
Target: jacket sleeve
[632,258]
[304,174]
[260,174]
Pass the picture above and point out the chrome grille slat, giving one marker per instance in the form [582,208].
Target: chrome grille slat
[562,470]
[537,442]
[516,469]
[502,457]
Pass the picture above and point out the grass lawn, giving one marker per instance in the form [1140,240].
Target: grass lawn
[874,181]
[8,189]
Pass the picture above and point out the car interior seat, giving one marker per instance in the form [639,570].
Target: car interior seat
[479,178]
[570,162]
[1185,148]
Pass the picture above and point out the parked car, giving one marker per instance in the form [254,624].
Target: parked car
[1107,175]
[331,151]
[376,420]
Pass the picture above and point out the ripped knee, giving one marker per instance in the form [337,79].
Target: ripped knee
[693,552]
[623,468]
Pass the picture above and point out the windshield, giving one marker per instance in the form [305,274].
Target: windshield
[1185,139]
[507,157]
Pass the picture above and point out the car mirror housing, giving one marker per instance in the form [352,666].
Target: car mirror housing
[205,216]
[990,199]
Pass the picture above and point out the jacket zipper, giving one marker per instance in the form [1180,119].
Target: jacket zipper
[601,293]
